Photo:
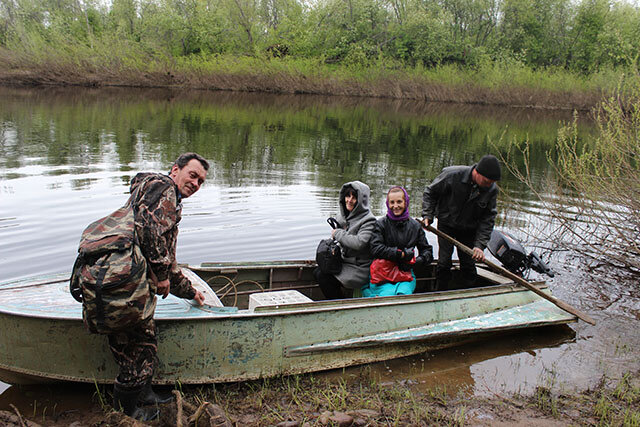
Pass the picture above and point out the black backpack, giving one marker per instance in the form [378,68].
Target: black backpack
[329,253]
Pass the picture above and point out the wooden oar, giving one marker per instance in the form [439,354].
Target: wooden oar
[499,269]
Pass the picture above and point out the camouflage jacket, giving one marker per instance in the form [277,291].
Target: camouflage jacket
[157,213]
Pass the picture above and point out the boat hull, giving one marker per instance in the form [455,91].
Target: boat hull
[204,345]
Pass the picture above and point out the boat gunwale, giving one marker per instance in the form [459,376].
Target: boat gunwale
[322,306]
[254,265]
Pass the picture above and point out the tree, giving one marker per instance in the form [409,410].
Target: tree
[589,23]
[619,41]
[536,30]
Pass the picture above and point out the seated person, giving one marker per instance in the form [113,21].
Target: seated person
[354,232]
[395,238]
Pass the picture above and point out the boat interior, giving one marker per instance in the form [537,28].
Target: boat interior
[245,285]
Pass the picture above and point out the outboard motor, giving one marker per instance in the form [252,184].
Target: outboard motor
[513,256]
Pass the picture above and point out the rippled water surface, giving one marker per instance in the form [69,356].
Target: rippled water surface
[67,157]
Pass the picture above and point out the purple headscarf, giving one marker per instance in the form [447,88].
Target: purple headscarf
[405,214]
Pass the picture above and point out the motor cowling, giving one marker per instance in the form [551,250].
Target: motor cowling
[508,251]
[513,256]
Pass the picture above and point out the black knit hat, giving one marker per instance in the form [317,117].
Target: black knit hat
[489,167]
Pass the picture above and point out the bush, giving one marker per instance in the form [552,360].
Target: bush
[597,211]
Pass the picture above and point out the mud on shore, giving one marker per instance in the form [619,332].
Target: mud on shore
[306,401]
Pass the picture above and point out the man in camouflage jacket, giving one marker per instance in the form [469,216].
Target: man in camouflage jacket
[158,210]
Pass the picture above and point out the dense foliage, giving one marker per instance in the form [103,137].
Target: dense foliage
[598,212]
[583,36]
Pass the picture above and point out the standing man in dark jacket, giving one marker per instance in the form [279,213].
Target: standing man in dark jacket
[463,198]
[158,210]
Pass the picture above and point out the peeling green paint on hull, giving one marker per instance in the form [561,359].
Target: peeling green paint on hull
[44,339]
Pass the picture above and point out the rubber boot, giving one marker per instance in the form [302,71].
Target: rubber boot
[150,397]
[127,400]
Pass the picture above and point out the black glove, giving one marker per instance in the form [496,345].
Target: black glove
[424,259]
[404,266]
[404,255]
[408,254]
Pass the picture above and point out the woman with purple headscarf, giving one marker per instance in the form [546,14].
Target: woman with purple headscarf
[397,237]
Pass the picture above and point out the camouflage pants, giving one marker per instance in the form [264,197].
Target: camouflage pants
[136,353]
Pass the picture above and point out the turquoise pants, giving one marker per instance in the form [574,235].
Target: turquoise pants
[389,289]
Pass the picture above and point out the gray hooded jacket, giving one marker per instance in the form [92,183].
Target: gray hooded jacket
[356,228]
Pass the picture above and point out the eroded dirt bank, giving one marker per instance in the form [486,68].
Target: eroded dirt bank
[400,86]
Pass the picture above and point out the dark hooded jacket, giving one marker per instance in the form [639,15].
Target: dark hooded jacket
[354,235]
[460,203]
[389,236]
[157,214]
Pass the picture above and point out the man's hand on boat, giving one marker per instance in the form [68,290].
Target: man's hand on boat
[199,298]
[163,288]
[478,255]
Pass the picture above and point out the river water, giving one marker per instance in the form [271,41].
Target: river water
[67,156]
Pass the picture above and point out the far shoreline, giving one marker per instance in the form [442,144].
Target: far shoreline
[400,87]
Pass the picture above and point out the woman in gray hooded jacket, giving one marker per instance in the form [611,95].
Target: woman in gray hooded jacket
[356,223]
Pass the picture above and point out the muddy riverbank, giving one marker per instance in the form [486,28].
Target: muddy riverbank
[361,401]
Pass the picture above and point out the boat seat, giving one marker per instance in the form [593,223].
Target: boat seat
[276,299]
[210,297]
[491,276]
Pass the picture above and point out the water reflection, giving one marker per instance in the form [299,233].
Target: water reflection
[500,363]
[67,156]
[257,138]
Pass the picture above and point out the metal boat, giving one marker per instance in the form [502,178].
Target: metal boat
[261,319]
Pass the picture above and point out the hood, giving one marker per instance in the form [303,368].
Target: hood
[138,179]
[363,192]
[142,177]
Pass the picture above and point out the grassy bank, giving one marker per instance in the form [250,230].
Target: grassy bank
[491,83]
[300,400]
[307,401]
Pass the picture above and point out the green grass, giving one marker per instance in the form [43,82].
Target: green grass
[122,62]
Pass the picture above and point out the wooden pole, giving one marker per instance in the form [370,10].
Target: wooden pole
[499,269]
